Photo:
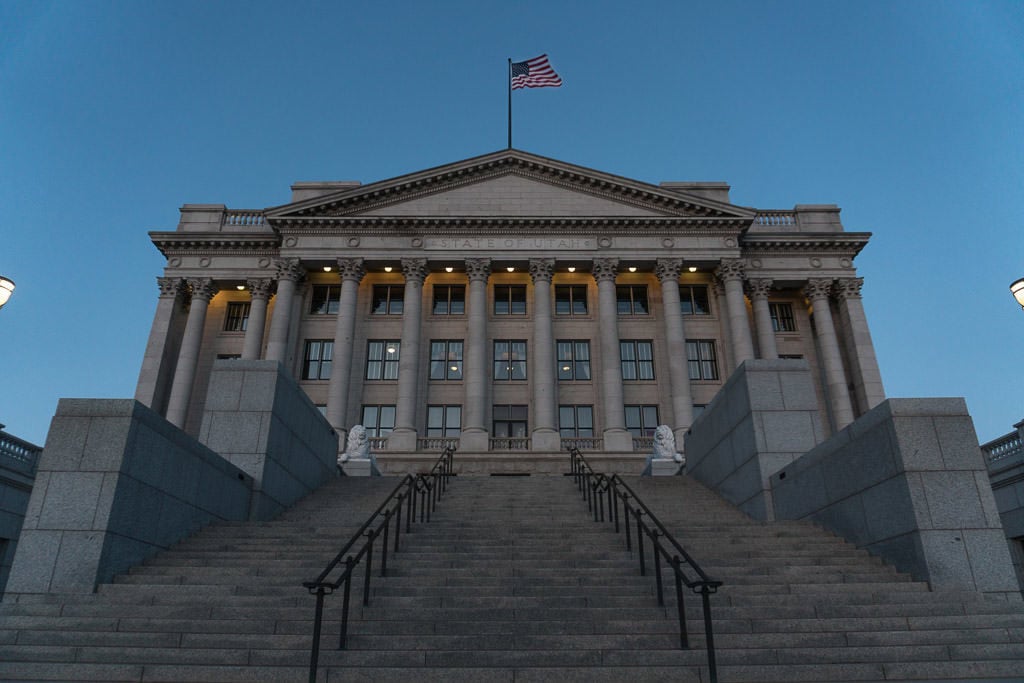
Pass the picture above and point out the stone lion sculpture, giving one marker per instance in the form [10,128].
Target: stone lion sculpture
[357,447]
[665,444]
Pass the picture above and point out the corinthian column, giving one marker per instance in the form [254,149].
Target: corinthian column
[403,438]
[545,386]
[817,291]
[188,357]
[474,438]
[260,292]
[289,272]
[668,271]
[616,438]
[151,389]
[352,272]
[758,291]
[731,273]
[860,350]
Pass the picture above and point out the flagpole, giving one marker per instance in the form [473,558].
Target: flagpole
[510,103]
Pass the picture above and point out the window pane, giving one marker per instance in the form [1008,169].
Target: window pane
[370,417]
[585,418]
[458,298]
[627,351]
[700,301]
[387,419]
[563,303]
[640,300]
[623,301]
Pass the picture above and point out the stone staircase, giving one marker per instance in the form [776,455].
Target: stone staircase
[512,581]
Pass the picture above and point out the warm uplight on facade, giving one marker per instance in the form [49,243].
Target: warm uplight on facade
[6,289]
[1017,289]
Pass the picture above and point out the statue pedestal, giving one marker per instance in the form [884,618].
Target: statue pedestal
[360,468]
[661,467]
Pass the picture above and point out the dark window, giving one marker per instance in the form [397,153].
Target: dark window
[782,317]
[510,359]
[575,421]
[325,299]
[379,420]
[702,359]
[444,420]
[510,421]
[631,299]
[445,359]
[641,420]
[449,299]
[637,359]
[388,299]
[573,359]
[237,318]
[509,300]
[382,358]
[316,361]
[693,300]
[571,300]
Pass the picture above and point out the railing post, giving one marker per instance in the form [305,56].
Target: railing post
[370,535]
[640,541]
[615,503]
[656,549]
[709,632]
[625,521]
[684,636]
[314,655]
[384,544]
[398,519]
[411,513]
[345,600]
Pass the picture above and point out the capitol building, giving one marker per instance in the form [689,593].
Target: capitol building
[510,304]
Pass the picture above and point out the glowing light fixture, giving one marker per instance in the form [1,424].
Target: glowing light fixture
[572,269]
[387,269]
[1017,289]
[327,269]
[692,269]
[6,289]
[240,288]
[511,269]
[632,269]
[448,269]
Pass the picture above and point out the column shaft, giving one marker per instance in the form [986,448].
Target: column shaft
[542,365]
[616,438]
[474,431]
[860,348]
[289,272]
[731,273]
[668,271]
[835,378]
[157,363]
[188,357]
[758,290]
[253,344]
[404,436]
[352,272]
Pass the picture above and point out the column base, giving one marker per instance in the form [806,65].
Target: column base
[618,440]
[402,439]
[474,441]
[545,440]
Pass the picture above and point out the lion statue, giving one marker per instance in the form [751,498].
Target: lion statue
[357,447]
[664,449]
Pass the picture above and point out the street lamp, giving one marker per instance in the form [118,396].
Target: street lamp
[1017,289]
[6,288]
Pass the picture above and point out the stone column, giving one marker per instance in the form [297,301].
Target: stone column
[475,435]
[731,273]
[202,290]
[289,273]
[728,361]
[260,291]
[668,271]
[157,363]
[860,350]
[616,438]
[403,438]
[542,366]
[758,291]
[351,271]
[817,291]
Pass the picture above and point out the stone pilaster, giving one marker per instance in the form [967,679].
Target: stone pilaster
[542,366]
[667,271]
[351,271]
[259,290]
[475,435]
[202,290]
[161,350]
[730,272]
[403,438]
[616,438]
[867,378]
[289,273]
[817,291]
[758,291]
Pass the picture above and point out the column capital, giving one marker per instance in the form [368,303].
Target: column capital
[605,269]
[668,269]
[730,269]
[259,288]
[289,269]
[415,269]
[478,269]
[848,288]
[542,269]
[170,287]
[759,289]
[818,288]
[351,269]
[202,288]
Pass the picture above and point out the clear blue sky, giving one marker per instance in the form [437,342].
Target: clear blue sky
[907,114]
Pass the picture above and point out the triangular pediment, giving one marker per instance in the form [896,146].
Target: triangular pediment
[509,183]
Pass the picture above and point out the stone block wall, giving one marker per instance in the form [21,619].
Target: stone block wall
[16,477]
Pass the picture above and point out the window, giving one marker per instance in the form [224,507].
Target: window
[637,359]
[382,359]
[575,421]
[237,317]
[509,300]
[510,421]
[782,317]
[325,300]
[573,359]
[631,299]
[445,359]
[449,299]
[379,420]
[316,361]
[641,420]
[570,300]
[444,420]
[693,300]
[388,299]
[702,359]
[510,359]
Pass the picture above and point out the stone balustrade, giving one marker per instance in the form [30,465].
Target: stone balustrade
[1003,447]
[776,218]
[237,217]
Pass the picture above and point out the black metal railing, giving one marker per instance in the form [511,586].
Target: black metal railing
[415,494]
[603,495]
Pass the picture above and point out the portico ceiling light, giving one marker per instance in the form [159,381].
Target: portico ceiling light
[327,269]
[632,269]
[448,269]
[387,269]
[511,269]
[692,269]
[240,288]
[571,269]
[1017,289]
[6,289]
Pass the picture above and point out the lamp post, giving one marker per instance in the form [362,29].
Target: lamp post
[1017,289]
[6,288]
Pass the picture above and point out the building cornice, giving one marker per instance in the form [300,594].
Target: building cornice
[846,243]
[179,243]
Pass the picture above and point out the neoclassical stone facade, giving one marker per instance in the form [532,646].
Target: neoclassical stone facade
[510,303]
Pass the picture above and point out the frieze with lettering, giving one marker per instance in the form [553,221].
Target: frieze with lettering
[519,243]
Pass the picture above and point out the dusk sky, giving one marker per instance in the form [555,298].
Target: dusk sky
[909,115]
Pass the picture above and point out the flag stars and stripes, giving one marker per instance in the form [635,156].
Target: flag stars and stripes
[534,73]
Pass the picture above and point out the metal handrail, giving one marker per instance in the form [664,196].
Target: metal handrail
[603,492]
[427,488]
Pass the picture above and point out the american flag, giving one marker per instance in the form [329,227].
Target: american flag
[534,73]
